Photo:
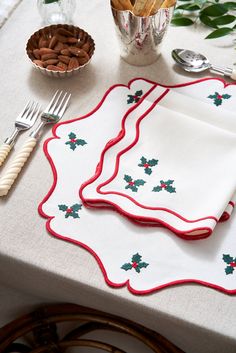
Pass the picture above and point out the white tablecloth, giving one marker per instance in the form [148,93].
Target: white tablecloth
[196,318]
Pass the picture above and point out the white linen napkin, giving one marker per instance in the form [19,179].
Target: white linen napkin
[179,171]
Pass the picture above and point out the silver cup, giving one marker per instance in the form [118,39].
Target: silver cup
[140,38]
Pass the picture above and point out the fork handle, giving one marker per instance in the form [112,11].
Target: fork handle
[16,165]
[4,151]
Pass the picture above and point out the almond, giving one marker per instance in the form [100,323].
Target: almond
[53,42]
[38,63]
[49,56]
[66,52]
[50,62]
[43,51]
[64,32]
[73,64]
[54,68]
[36,53]
[62,65]
[65,59]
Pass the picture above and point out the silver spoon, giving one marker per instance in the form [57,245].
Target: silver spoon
[192,61]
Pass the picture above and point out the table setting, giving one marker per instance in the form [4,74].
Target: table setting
[121,157]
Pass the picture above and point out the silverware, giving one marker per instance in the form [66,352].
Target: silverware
[51,115]
[192,61]
[24,121]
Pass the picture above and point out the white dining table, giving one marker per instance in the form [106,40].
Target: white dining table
[195,318]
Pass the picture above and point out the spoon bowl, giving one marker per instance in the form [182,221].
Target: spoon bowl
[192,61]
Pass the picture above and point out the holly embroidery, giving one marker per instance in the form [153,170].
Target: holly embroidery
[148,164]
[74,142]
[135,97]
[165,185]
[231,262]
[133,184]
[135,263]
[71,211]
[218,98]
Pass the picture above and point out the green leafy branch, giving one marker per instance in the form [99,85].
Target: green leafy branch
[214,14]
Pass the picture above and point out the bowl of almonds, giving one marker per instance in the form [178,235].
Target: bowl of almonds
[60,50]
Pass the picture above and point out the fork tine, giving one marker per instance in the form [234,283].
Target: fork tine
[54,102]
[51,102]
[36,113]
[63,108]
[25,109]
[31,111]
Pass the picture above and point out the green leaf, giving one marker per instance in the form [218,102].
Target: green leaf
[72,146]
[137,269]
[213,96]
[130,99]
[230,5]
[227,258]
[133,188]
[72,135]
[168,182]
[139,182]
[214,10]
[143,161]
[182,21]
[170,189]
[74,215]
[62,207]
[226,96]
[157,188]
[50,1]
[223,20]
[127,178]
[153,162]
[80,142]
[76,207]
[138,93]
[219,33]
[143,264]
[207,21]
[188,7]
[136,258]
[148,171]
[126,267]
[229,270]
[217,102]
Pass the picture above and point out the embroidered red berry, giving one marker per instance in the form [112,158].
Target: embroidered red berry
[233,264]
[134,264]
[131,183]
[164,186]
[69,210]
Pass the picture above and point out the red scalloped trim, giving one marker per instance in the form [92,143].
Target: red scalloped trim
[99,261]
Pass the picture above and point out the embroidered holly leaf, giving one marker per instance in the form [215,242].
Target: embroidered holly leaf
[152,162]
[143,265]
[213,96]
[127,178]
[72,135]
[62,207]
[157,188]
[148,171]
[227,258]
[229,270]
[130,99]
[80,142]
[143,161]
[170,189]
[137,269]
[76,207]
[72,145]
[127,266]
[136,258]
[138,93]
[226,96]
[217,102]
[139,182]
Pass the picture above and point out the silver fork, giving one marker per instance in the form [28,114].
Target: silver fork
[52,114]
[24,121]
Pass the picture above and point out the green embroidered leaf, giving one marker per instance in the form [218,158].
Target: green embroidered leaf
[170,189]
[72,146]
[217,102]
[212,96]
[62,207]
[229,270]
[227,258]
[127,178]
[74,215]
[138,93]
[133,188]
[143,264]
[137,269]
[157,188]
[226,96]
[168,182]
[136,258]
[148,171]
[76,207]
[153,162]
[139,182]
[80,142]
[127,267]
[67,215]
[143,161]
[130,99]
[72,135]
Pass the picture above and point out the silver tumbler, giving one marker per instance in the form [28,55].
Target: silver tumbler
[140,38]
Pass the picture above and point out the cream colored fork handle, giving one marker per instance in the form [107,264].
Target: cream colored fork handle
[16,165]
[4,151]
